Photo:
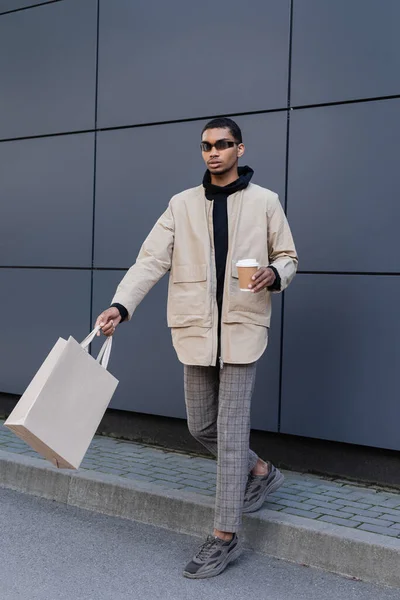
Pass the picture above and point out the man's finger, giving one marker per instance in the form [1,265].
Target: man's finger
[258,274]
[263,284]
[262,278]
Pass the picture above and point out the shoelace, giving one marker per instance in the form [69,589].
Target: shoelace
[207,548]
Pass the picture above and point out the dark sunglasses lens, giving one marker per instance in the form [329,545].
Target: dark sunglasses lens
[223,144]
[205,146]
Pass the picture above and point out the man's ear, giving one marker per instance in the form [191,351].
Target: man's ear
[240,150]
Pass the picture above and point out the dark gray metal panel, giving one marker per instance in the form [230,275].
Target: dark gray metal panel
[161,61]
[140,169]
[143,359]
[341,359]
[344,50]
[46,211]
[48,69]
[265,403]
[7,5]
[344,182]
[38,307]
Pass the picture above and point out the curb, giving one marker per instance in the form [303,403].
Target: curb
[354,553]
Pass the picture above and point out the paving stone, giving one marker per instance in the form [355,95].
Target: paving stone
[333,513]
[110,470]
[371,521]
[209,466]
[283,494]
[138,477]
[165,477]
[187,481]
[381,509]
[292,503]
[168,484]
[360,512]
[391,503]
[354,497]
[301,513]
[381,530]
[139,470]
[307,484]
[198,491]
[201,479]
[329,487]
[319,497]
[322,505]
[352,504]
[338,521]
[390,517]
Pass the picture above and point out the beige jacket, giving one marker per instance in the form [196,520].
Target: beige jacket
[182,242]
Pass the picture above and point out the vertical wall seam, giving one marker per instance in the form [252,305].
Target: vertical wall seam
[285,205]
[94,165]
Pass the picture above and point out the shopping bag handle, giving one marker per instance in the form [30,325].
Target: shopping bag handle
[105,351]
[89,339]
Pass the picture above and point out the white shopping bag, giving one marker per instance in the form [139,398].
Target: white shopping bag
[63,405]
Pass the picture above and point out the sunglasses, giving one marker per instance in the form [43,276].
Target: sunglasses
[219,145]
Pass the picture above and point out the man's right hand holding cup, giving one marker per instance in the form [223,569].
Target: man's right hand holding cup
[108,321]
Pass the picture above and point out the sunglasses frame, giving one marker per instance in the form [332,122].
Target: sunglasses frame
[225,145]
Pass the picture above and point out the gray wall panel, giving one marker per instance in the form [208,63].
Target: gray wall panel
[344,50]
[140,169]
[49,86]
[143,359]
[7,5]
[163,61]
[265,403]
[341,359]
[38,306]
[46,212]
[343,187]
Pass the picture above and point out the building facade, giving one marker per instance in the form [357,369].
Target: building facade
[101,107]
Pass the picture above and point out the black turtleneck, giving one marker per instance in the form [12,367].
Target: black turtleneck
[220,221]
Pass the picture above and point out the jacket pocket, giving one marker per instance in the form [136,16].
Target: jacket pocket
[189,273]
[188,293]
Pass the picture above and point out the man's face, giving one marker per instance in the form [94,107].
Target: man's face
[220,161]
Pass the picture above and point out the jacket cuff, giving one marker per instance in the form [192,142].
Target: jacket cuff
[122,310]
[276,286]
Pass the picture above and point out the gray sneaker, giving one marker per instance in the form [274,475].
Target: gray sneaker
[259,486]
[213,557]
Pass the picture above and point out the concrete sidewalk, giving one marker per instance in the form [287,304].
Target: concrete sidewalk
[342,527]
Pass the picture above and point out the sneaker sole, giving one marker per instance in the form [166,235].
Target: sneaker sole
[270,489]
[229,558]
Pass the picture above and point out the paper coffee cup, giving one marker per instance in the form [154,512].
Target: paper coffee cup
[246,269]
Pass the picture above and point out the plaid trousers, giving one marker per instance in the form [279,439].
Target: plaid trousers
[218,411]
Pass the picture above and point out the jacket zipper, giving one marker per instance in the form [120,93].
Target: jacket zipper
[211,234]
[232,242]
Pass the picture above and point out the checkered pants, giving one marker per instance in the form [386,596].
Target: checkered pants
[218,412]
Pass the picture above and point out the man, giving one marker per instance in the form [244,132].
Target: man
[219,332]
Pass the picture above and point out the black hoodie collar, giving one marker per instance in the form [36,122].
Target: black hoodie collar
[245,175]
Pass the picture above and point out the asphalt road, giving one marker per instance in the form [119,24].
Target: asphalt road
[49,551]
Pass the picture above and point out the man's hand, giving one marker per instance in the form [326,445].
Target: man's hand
[264,278]
[108,321]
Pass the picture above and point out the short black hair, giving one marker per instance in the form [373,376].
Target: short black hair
[225,123]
